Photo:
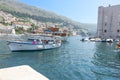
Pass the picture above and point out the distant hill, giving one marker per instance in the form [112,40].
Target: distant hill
[22,10]
[92,28]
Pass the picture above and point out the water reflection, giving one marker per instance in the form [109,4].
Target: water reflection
[106,62]
[74,60]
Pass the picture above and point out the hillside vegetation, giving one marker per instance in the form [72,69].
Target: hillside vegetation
[25,11]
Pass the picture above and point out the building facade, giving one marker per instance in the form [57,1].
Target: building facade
[108,22]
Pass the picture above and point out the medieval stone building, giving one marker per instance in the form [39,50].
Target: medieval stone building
[108,22]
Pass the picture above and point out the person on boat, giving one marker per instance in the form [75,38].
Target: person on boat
[34,42]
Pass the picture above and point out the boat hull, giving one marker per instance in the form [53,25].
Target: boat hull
[28,46]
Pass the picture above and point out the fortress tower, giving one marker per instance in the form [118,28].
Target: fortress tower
[108,22]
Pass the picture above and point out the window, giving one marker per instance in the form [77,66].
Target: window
[105,24]
[118,30]
[105,18]
[105,31]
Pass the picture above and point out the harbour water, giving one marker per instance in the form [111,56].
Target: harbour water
[74,60]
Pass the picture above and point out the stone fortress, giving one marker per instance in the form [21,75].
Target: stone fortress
[109,22]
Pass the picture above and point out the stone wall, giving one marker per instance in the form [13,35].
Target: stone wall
[108,22]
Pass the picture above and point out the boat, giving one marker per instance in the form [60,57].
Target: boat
[118,47]
[98,39]
[109,40]
[60,35]
[62,38]
[85,39]
[34,44]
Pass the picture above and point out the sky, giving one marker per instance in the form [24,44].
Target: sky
[84,11]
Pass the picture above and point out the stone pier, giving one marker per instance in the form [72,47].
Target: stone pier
[23,72]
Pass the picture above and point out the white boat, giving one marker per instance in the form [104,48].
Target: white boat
[37,44]
[109,40]
[98,40]
[85,39]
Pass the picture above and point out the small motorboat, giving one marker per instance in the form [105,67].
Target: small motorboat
[109,40]
[34,44]
[85,39]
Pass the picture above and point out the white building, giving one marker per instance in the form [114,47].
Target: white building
[13,31]
[21,25]
[108,22]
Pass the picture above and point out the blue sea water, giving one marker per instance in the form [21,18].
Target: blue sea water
[74,60]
